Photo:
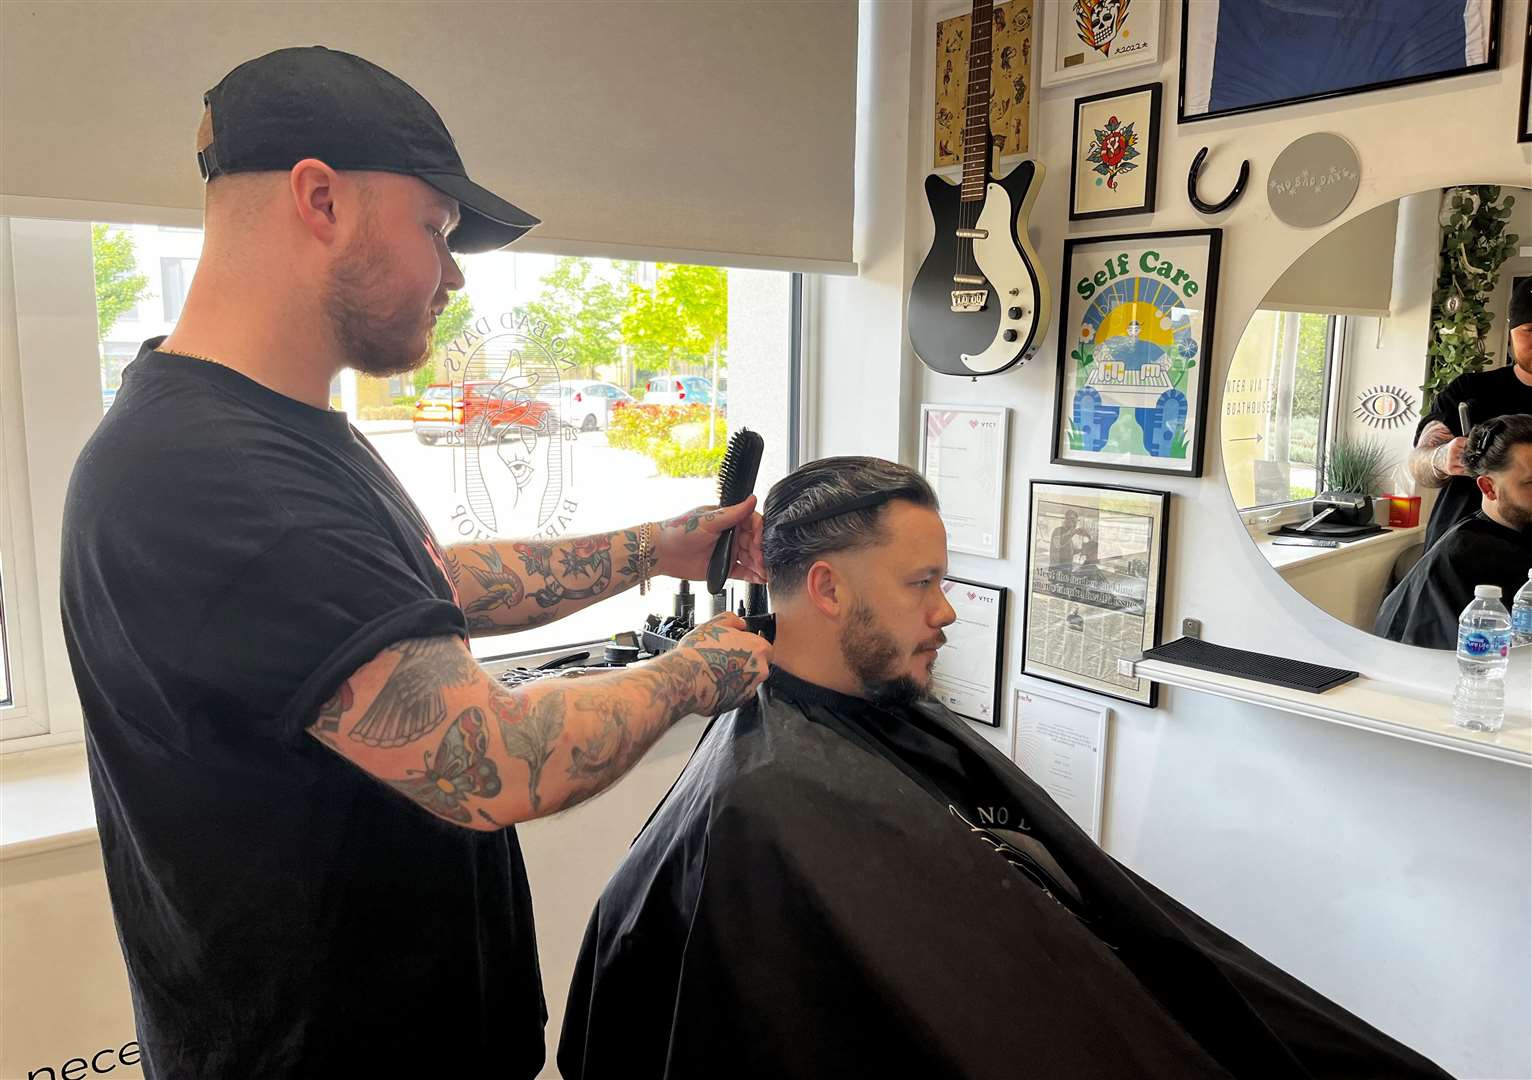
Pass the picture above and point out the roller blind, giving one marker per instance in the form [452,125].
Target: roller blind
[1349,271]
[722,129]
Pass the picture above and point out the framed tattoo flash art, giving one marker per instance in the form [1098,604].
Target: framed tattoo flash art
[1135,323]
[1095,578]
[967,674]
[1010,83]
[1238,56]
[1116,152]
[1084,38]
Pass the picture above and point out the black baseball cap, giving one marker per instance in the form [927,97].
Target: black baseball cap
[272,112]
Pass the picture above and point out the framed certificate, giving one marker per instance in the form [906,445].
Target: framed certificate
[968,669]
[962,456]
[1060,742]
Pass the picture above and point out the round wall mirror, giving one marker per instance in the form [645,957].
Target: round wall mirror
[1336,376]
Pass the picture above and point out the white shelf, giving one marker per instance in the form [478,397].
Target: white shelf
[1368,704]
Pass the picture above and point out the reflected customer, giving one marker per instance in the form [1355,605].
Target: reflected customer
[1492,547]
[1437,460]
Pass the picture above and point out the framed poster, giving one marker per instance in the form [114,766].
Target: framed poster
[1060,742]
[1238,56]
[1095,578]
[1135,323]
[1096,37]
[966,676]
[1524,116]
[962,456]
[1010,83]
[1116,153]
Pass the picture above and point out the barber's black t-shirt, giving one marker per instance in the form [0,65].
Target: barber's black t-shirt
[1489,394]
[230,557]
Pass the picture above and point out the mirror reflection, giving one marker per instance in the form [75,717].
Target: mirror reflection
[1376,421]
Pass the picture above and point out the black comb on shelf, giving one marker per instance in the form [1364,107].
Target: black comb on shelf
[736,483]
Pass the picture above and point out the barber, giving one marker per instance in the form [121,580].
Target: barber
[1437,460]
[304,783]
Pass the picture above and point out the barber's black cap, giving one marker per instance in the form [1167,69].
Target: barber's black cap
[1519,311]
[272,112]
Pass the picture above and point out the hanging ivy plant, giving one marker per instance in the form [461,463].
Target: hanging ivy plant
[1474,247]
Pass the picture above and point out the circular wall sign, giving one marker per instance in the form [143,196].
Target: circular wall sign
[1313,180]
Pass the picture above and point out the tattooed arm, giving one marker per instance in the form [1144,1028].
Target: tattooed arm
[425,719]
[512,585]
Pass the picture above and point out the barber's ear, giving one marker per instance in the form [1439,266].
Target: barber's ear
[825,588]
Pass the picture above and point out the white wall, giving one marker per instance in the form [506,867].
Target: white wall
[1395,878]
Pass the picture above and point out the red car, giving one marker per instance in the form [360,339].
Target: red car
[486,409]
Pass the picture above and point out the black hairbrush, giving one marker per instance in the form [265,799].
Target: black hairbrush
[736,483]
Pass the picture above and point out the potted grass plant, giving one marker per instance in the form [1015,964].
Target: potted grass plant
[1353,467]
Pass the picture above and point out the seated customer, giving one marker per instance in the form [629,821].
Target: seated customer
[1493,547]
[825,893]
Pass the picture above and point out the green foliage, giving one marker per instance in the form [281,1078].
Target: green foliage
[453,320]
[385,412]
[1303,439]
[119,285]
[1179,366]
[673,461]
[1309,378]
[586,310]
[1178,444]
[1082,355]
[1356,465]
[684,317]
[1474,246]
[1076,438]
[651,430]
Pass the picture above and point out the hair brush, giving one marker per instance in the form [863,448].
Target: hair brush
[736,483]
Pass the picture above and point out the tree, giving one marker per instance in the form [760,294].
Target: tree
[119,285]
[585,309]
[685,315]
[454,318]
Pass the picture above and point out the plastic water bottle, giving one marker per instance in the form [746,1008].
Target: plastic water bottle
[1521,614]
[1484,645]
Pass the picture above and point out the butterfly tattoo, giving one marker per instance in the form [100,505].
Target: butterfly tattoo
[460,770]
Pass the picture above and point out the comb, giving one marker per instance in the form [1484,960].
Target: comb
[736,483]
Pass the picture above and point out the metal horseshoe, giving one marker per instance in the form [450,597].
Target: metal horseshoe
[1228,200]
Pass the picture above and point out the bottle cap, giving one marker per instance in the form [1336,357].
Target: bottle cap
[1486,592]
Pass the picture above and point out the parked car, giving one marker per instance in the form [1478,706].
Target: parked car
[681,390]
[588,404]
[481,408]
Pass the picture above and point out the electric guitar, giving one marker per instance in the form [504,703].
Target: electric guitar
[979,304]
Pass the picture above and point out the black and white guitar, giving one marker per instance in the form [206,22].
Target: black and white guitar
[980,304]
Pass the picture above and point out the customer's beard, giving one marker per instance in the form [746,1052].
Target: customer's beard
[372,338]
[873,657]
[1516,517]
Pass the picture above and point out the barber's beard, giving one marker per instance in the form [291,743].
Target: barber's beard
[877,660]
[375,337]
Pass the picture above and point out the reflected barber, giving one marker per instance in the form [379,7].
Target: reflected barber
[304,783]
[1440,440]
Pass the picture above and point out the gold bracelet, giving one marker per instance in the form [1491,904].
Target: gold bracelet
[643,559]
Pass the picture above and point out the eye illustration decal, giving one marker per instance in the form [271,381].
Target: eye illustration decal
[1384,406]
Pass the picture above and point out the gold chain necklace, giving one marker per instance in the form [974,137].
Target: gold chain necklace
[191,356]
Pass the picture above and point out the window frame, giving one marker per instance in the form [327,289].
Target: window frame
[1332,375]
[34,472]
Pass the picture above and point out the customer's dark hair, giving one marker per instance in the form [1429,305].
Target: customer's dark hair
[1490,444]
[801,521]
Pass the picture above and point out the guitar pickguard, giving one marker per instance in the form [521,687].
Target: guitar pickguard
[1006,268]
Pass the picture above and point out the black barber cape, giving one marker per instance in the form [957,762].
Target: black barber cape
[1424,608]
[230,557]
[827,892]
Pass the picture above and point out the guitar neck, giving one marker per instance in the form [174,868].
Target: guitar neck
[976,140]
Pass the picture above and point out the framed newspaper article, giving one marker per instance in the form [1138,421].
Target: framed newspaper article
[1095,582]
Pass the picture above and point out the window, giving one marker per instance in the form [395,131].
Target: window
[175,279]
[1278,411]
[533,420]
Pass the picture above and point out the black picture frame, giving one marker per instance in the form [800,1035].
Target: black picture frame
[1491,63]
[1152,156]
[1155,620]
[1065,337]
[1003,605]
[1524,123]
